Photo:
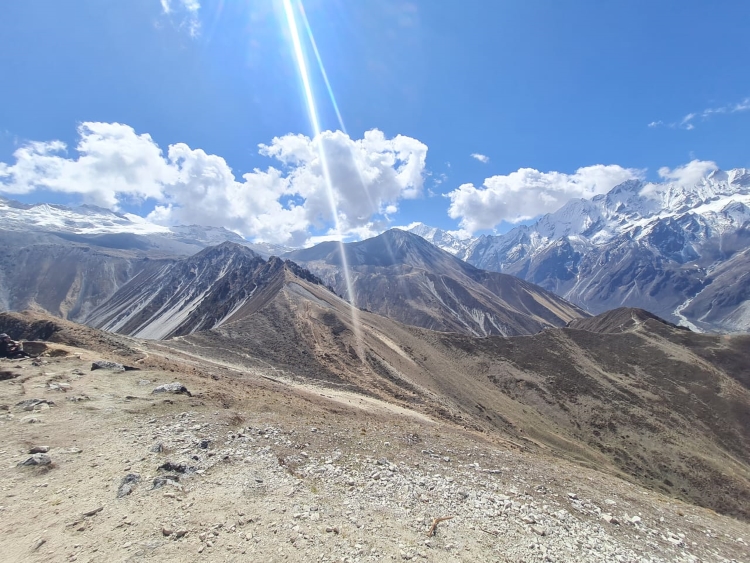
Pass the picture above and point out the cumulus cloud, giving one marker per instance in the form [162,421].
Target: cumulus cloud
[187,12]
[527,193]
[282,204]
[688,174]
[480,157]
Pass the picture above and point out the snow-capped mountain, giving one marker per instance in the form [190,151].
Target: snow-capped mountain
[88,223]
[680,251]
[440,238]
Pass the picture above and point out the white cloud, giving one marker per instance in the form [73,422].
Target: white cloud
[480,157]
[527,193]
[114,165]
[687,122]
[187,13]
[688,174]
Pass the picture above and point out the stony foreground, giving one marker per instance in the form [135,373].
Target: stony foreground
[233,466]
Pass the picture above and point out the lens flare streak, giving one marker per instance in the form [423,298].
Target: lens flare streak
[301,61]
[324,74]
[314,46]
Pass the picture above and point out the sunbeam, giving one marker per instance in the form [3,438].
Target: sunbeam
[334,103]
[323,72]
[299,57]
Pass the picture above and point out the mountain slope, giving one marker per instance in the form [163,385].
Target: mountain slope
[654,246]
[196,293]
[68,261]
[251,440]
[657,404]
[68,279]
[624,393]
[401,276]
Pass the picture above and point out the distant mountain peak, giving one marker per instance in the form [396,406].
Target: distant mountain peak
[634,246]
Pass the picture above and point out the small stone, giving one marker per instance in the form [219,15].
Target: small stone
[635,520]
[539,530]
[37,459]
[104,364]
[127,484]
[38,543]
[39,450]
[166,531]
[175,388]
[609,519]
[180,534]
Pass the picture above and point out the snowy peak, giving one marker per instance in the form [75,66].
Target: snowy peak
[649,245]
[89,223]
[440,238]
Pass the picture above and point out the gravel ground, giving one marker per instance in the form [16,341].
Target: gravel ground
[253,470]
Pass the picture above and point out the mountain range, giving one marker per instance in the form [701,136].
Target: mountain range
[85,264]
[680,250]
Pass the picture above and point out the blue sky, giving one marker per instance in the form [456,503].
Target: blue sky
[540,85]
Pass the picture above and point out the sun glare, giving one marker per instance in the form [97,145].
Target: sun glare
[302,68]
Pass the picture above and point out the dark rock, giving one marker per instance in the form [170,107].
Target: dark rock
[39,450]
[5,374]
[35,348]
[205,444]
[176,467]
[176,388]
[127,484]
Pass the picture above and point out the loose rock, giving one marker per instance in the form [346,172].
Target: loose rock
[176,388]
[127,484]
[37,459]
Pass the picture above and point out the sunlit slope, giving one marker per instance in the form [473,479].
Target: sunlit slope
[663,406]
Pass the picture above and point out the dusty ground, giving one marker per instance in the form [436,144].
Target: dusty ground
[270,471]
